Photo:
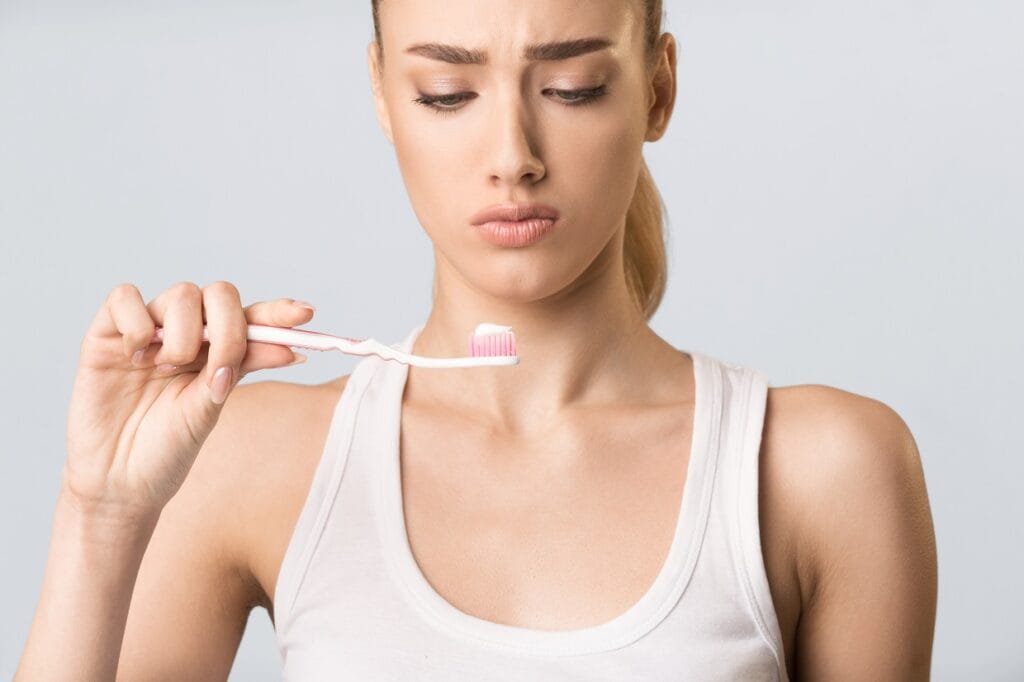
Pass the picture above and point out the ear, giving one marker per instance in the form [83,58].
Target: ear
[376,82]
[662,93]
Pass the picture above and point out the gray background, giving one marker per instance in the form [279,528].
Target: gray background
[843,181]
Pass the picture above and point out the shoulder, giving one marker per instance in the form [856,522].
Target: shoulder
[837,431]
[834,455]
[264,430]
[849,482]
[268,441]
[270,416]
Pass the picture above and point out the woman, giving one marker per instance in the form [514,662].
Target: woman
[610,508]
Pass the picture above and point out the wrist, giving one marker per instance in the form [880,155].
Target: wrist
[103,521]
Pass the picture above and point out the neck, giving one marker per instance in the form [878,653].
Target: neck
[587,345]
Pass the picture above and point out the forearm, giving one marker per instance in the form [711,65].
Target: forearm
[90,573]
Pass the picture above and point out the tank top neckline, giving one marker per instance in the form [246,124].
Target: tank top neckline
[630,625]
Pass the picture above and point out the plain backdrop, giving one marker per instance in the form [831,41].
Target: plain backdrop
[843,184]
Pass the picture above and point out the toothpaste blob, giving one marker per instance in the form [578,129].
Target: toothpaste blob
[488,328]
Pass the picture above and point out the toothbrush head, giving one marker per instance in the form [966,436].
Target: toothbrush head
[492,340]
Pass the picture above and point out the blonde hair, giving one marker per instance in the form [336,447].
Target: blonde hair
[644,258]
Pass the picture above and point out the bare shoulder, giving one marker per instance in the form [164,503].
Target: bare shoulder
[278,430]
[847,483]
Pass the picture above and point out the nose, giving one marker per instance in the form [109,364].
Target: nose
[514,154]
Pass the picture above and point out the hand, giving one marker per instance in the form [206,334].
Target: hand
[140,412]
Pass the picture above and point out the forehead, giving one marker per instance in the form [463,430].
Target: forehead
[501,30]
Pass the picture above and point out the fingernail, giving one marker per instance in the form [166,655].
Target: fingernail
[299,359]
[137,356]
[303,304]
[219,386]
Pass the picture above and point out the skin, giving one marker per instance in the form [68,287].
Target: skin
[565,297]
[597,416]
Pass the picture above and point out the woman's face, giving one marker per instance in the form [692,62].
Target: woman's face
[565,132]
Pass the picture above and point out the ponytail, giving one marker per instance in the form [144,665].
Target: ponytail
[644,245]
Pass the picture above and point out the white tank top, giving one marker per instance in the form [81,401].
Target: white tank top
[351,602]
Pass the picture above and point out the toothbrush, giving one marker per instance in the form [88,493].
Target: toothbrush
[489,345]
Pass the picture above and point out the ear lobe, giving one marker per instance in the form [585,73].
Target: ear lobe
[662,89]
[380,106]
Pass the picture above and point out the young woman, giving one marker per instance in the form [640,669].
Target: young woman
[611,508]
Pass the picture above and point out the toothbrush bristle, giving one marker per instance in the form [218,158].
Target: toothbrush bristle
[501,344]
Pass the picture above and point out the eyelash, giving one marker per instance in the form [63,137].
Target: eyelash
[587,96]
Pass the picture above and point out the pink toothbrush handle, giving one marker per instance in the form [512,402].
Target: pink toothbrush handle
[282,336]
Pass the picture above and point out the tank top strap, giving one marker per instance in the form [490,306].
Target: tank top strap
[322,492]
[745,401]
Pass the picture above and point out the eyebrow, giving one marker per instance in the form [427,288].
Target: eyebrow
[554,51]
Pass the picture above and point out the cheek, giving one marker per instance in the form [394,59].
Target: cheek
[595,161]
[431,165]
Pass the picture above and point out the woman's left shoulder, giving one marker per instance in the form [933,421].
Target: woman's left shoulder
[845,474]
[854,425]
[826,445]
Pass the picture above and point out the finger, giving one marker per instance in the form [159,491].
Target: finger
[281,312]
[270,356]
[102,324]
[227,329]
[136,325]
[179,310]
[258,355]
[128,317]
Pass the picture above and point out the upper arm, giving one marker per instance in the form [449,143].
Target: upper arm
[194,592]
[867,525]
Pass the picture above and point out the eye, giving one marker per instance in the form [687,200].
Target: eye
[448,104]
[442,104]
[577,97]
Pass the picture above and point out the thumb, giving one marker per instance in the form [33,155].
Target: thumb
[207,393]
[218,383]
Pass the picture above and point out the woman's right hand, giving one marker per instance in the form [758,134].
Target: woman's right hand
[135,427]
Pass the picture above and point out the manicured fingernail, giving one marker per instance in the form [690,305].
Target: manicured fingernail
[303,304]
[166,368]
[137,356]
[299,359]
[219,386]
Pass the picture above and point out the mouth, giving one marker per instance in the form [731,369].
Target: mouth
[514,213]
[515,233]
[515,225]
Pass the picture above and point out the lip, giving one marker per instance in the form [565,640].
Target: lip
[514,212]
[516,233]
